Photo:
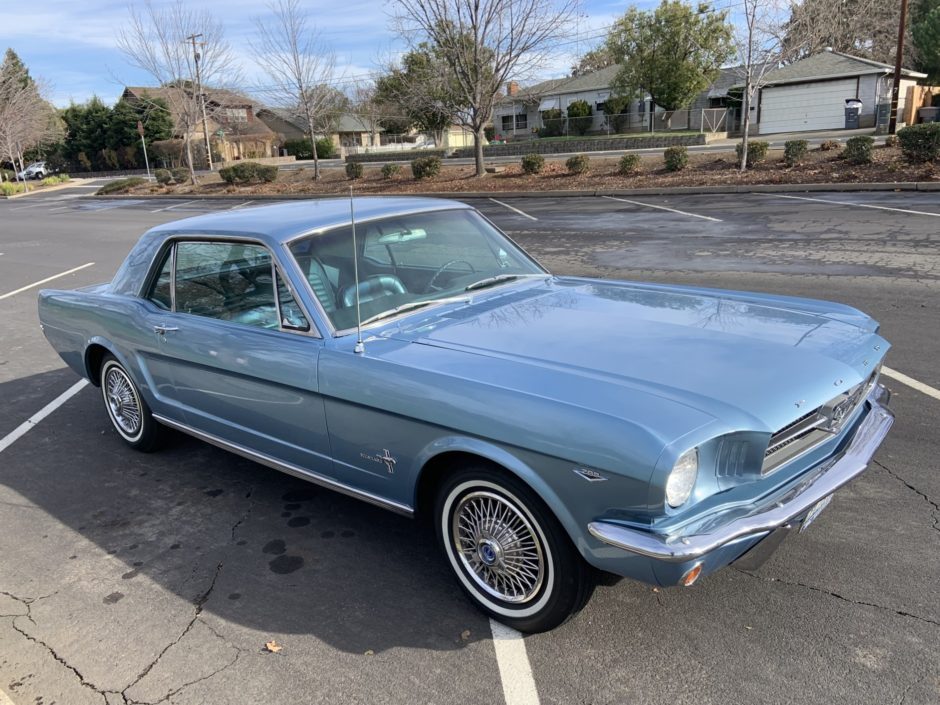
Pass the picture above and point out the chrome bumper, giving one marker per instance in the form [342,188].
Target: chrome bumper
[832,475]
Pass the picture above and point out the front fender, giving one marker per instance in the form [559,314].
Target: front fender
[522,469]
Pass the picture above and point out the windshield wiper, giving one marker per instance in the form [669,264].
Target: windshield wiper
[499,279]
[412,305]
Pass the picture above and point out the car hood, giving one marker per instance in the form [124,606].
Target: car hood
[770,359]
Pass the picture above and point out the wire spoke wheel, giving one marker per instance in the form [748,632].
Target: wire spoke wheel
[498,546]
[123,402]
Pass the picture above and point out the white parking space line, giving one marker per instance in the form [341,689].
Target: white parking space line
[514,669]
[240,205]
[665,208]
[60,208]
[856,205]
[43,281]
[506,205]
[175,205]
[31,205]
[911,382]
[21,430]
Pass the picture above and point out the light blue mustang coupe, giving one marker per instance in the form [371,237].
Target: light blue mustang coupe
[406,352]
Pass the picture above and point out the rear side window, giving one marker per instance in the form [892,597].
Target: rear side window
[161,294]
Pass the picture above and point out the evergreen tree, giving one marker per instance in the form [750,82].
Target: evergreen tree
[14,67]
[925,32]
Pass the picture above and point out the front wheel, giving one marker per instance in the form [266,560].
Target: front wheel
[127,410]
[509,552]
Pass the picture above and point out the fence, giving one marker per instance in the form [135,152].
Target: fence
[709,120]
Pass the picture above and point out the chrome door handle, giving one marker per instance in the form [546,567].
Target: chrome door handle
[163,329]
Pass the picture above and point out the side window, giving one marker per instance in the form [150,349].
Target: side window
[160,292]
[228,281]
[292,316]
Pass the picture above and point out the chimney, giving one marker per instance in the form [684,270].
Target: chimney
[512,88]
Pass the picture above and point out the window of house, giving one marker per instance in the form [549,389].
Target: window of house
[522,121]
[507,122]
[233,114]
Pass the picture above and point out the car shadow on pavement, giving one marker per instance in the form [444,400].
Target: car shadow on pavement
[244,542]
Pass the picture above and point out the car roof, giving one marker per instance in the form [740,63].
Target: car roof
[282,222]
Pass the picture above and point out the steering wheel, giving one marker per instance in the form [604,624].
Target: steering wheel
[440,270]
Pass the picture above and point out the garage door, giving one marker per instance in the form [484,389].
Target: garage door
[805,106]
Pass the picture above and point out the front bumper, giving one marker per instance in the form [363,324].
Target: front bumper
[796,501]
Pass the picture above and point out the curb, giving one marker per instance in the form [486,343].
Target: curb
[582,193]
[71,183]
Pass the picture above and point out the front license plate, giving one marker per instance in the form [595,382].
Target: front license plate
[815,512]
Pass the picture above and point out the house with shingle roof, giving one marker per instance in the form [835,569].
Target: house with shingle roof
[520,110]
[235,132]
[811,94]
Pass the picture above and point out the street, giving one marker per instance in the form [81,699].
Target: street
[135,578]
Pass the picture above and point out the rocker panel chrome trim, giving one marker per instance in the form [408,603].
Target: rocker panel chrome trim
[289,468]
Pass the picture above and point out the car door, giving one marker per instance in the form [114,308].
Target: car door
[241,354]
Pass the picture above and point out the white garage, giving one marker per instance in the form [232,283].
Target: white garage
[805,106]
[810,94]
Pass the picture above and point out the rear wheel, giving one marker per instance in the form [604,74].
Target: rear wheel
[509,552]
[127,410]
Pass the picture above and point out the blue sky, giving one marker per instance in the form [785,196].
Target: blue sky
[72,45]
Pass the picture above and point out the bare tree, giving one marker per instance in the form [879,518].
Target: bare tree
[289,50]
[758,38]
[158,40]
[485,43]
[26,119]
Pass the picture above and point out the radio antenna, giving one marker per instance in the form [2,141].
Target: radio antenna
[360,346]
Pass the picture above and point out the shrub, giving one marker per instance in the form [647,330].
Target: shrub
[579,117]
[426,167]
[8,188]
[247,172]
[50,181]
[830,146]
[553,123]
[163,176]
[64,178]
[892,141]
[353,170]
[629,164]
[489,132]
[756,151]
[390,170]
[6,175]
[858,150]
[301,149]
[533,163]
[675,158]
[180,174]
[578,164]
[920,143]
[794,151]
[325,148]
[120,185]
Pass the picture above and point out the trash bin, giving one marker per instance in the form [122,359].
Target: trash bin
[853,110]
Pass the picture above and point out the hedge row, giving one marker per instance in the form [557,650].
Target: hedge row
[403,156]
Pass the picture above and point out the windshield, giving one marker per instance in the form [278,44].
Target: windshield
[405,261]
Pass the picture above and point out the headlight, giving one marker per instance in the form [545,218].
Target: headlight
[682,478]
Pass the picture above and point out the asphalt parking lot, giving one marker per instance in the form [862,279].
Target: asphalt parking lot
[130,578]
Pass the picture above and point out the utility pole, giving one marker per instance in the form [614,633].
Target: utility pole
[896,88]
[202,103]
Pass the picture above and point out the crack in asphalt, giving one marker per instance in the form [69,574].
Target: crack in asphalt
[28,602]
[922,495]
[843,598]
[198,604]
[244,517]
